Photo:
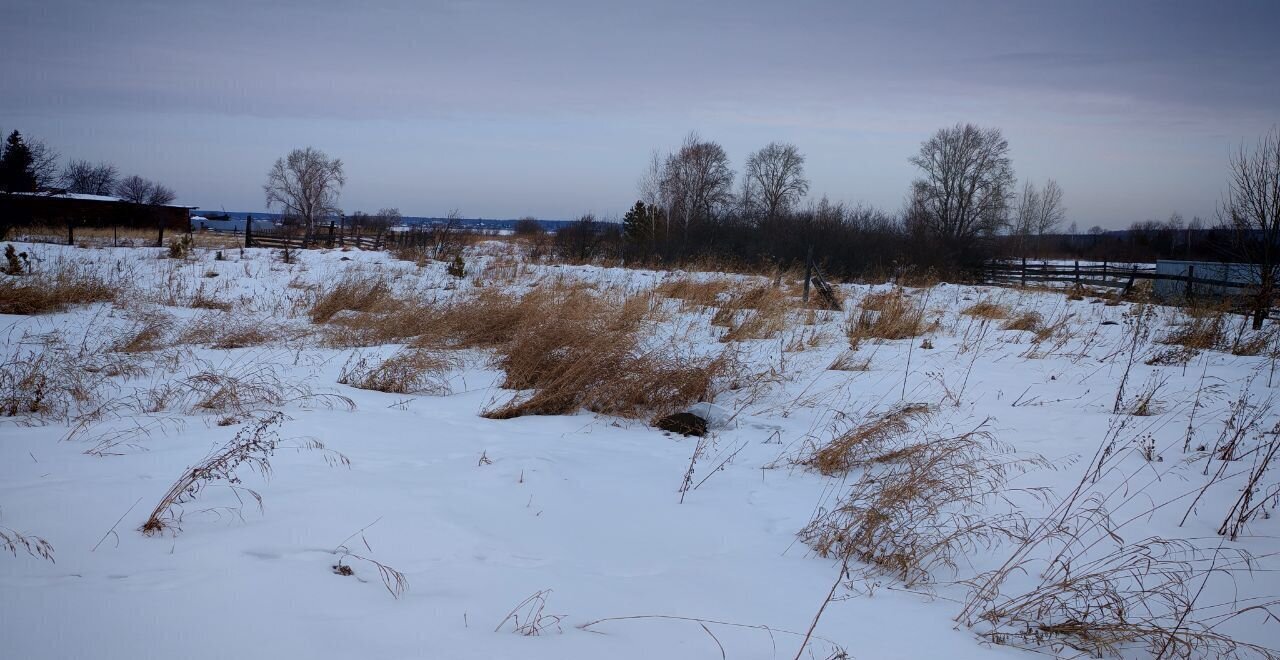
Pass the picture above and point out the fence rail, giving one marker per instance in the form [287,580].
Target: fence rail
[1113,276]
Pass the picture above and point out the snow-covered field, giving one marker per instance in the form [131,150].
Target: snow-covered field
[594,514]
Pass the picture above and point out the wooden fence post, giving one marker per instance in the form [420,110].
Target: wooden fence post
[330,244]
[1024,271]
[248,231]
[1077,273]
[1191,287]
[1129,287]
[808,273]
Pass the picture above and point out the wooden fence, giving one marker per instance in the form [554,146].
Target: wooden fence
[323,237]
[1108,276]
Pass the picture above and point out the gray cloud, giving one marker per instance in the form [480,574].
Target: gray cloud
[551,108]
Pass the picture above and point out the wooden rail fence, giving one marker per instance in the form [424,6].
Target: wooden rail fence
[1104,275]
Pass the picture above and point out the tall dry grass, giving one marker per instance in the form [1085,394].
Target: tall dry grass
[919,507]
[576,350]
[866,442]
[45,292]
[892,315]
[409,371]
[251,449]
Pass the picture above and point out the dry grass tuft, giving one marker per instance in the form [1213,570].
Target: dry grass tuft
[918,508]
[49,382]
[703,292]
[894,316]
[849,361]
[986,309]
[44,293]
[227,331]
[1026,322]
[757,313]
[577,350]
[251,448]
[356,293]
[410,371]
[149,333]
[863,443]
[13,540]
[1200,333]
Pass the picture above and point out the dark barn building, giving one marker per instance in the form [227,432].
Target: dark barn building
[69,211]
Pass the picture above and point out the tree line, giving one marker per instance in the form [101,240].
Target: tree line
[964,197]
[30,165]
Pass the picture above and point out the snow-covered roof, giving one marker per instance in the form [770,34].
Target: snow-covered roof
[93,198]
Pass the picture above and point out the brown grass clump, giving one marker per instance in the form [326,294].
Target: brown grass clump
[43,293]
[879,300]
[1201,333]
[226,331]
[849,361]
[202,300]
[149,333]
[864,442]
[1026,322]
[576,350]
[987,309]
[357,293]
[894,316]
[48,382]
[758,313]
[705,293]
[410,371]
[917,509]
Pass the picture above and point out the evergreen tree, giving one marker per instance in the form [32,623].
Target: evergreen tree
[17,173]
[635,223]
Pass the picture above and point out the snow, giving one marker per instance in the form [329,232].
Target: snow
[583,505]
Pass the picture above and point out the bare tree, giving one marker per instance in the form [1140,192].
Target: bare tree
[696,181]
[44,163]
[1039,212]
[305,185]
[134,189]
[81,176]
[967,184]
[1252,212]
[160,195]
[387,218]
[775,177]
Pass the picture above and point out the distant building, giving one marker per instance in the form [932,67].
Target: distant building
[218,222]
[63,209]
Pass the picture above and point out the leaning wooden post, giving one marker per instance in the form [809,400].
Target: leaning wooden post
[808,273]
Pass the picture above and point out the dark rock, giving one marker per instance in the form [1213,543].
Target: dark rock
[685,423]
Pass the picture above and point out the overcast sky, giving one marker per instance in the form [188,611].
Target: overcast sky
[502,109]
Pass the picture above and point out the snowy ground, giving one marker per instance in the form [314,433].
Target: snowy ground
[479,514]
